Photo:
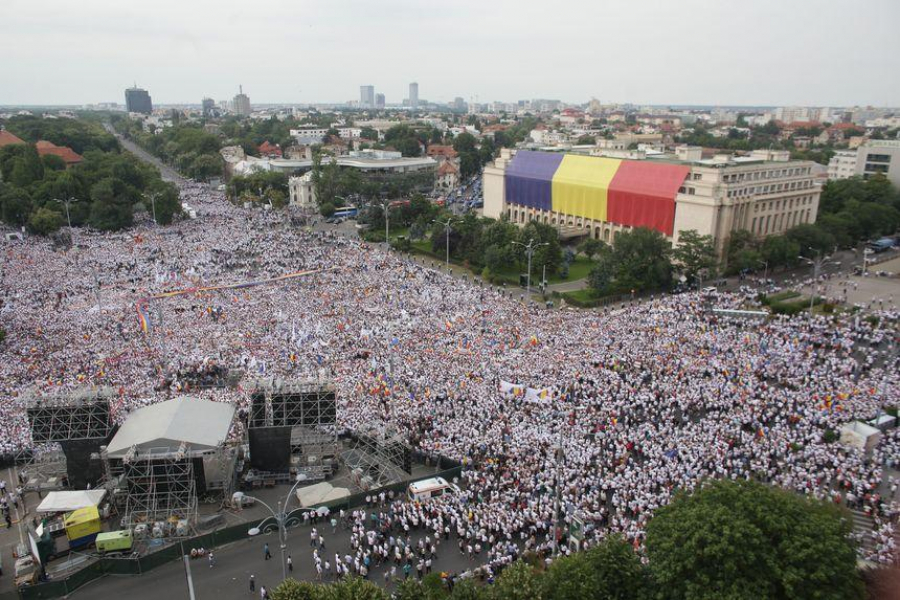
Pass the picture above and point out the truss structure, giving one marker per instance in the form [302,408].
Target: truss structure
[79,415]
[160,486]
[316,451]
[278,403]
[43,470]
[377,457]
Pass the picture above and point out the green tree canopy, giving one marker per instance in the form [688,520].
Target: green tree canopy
[743,540]
[696,253]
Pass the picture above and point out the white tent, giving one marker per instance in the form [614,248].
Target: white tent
[320,493]
[68,501]
[201,424]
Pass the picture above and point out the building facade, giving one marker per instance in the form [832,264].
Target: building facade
[209,107]
[242,103]
[379,100]
[414,95]
[765,193]
[138,100]
[367,96]
[871,158]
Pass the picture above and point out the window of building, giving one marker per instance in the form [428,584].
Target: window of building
[880,158]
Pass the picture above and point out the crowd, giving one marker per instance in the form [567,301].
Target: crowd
[600,416]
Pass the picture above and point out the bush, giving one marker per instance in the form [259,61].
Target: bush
[327,209]
[830,436]
[44,221]
[401,244]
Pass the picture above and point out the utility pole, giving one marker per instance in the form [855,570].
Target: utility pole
[153,203]
[529,250]
[447,229]
[386,207]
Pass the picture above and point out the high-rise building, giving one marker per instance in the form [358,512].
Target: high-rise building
[367,96]
[379,100]
[138,100]
[209,105]
[242,103]
[414,95]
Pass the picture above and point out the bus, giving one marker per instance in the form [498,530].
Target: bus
[345,212]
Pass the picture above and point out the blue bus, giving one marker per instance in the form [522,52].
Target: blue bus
[345,212]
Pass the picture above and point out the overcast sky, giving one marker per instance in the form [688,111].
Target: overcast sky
[725,52]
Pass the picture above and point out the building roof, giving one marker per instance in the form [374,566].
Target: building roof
[448,168]
[67,154]
[200,424]
[6,138]
[441,150]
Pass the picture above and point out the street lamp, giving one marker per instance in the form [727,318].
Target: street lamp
[817,264]
[153,204]
[280,519]
[529,250]
[67,202]
[386,207]
[447,229]
[765,272]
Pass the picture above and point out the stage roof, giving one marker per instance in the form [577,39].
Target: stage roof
[67,501]
[200,424]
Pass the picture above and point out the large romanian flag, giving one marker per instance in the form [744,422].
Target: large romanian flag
[624,192]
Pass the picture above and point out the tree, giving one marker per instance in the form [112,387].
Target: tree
[327,209]
[611,571]
[44,221]
[517,582]
[464,142]
[811,240]
[696,253]
[354,588]
[590,247]
[603,274]
[368,133]
[205,166]
[291,589]
[15,205]
[744,540]
[587,139]
[110,208]
[27,168]
[779,250]
[168,203]
[642,260]
[549,255]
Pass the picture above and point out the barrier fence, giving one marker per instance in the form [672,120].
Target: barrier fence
[103,566]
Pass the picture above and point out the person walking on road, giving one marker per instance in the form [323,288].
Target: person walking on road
[290,564]
[266,551]
[252,584]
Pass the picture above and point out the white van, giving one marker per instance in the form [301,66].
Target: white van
[430,488]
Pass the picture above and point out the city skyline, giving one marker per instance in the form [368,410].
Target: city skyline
[692,53]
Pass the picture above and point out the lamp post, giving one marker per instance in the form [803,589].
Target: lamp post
[765,272]
[866,252]
[529,250]
[817,264]
[447,229]
[153,204]
[386,207]
[280,517]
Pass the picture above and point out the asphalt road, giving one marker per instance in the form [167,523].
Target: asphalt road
[229,578]
[168,173]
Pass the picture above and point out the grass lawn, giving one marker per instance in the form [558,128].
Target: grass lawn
[585,295]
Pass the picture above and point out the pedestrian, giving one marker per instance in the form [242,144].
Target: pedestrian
[263,593]
[8,521]
[252,583]
[290,564]
[266,551]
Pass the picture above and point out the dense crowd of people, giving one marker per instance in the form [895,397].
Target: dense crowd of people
[599,416]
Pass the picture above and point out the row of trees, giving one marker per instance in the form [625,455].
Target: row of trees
[644,260]
[187,147]
[106,188]
[735,540]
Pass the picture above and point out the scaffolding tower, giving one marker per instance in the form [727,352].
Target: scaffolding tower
[289,418]
[68,416]
[377,457]
[80,422]
[160,485]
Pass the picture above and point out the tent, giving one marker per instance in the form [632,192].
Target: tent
[68,501]
[320,493]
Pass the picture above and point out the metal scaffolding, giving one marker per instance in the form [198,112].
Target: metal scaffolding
[377,457]
[80,415]
[160,485]
[279,403]
[316,452]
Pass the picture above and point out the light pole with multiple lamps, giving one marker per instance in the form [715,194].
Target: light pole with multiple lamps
[529,250]
[280,516]
[817,264]
[447,229]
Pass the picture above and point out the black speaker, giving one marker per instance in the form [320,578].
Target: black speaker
[270,448]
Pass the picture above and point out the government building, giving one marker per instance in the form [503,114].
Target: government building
[765,193]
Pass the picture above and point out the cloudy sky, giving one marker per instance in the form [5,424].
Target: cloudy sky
[726,52]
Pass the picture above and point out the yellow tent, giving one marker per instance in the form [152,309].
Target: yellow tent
[82,522]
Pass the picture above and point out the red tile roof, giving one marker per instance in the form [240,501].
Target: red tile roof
[67,154]
[439,150]
[6,138]
[267,149]
[448,168]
